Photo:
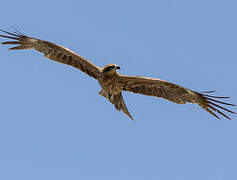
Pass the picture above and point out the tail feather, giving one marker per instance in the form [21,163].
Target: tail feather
[120,105]
[118,102]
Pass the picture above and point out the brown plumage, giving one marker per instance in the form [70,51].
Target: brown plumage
[113,83]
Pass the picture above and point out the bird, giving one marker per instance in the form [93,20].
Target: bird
[113,83]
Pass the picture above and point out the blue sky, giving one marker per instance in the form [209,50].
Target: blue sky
[53,123]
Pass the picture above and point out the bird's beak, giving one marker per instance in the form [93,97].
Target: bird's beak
[117,67]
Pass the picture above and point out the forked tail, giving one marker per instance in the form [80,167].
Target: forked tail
[118,102]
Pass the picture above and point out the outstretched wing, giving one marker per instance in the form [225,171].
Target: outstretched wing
[173,92]
[53,52]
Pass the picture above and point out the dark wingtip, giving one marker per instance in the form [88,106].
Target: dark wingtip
[211,103]
[11,42]
[207,91]
[10,37]
[15,33]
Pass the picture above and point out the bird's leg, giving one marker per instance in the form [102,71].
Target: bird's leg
[111,97]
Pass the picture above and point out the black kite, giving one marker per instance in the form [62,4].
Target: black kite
[113,83]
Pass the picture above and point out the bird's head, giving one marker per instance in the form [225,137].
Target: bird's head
[110,68]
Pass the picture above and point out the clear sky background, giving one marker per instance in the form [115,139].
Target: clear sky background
[53,123]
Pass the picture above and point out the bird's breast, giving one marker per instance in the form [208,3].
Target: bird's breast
[110,84]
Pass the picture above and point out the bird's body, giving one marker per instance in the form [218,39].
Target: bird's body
[113,83]
[112,88]
[109,81]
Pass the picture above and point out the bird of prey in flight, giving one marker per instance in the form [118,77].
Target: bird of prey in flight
[113,83]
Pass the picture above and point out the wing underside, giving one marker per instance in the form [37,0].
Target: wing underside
[52,51]
[175,93]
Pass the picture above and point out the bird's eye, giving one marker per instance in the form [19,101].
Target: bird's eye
[108,68]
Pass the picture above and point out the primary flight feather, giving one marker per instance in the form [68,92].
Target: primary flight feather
[113,83]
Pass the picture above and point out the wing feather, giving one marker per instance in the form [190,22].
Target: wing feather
[173,92]
[52,51]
